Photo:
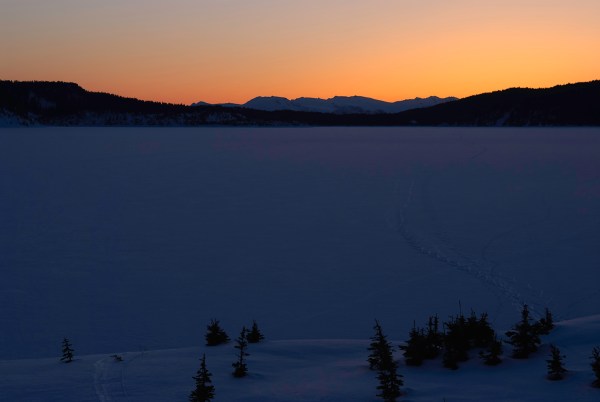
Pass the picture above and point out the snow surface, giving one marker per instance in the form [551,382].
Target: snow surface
[131,239]
[303,370]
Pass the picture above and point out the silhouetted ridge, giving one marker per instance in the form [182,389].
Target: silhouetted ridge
[66,97]
[62,103]
[571,104]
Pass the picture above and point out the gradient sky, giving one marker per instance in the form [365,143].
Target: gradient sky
[233,50]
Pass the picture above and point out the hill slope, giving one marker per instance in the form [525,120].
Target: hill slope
[572,104]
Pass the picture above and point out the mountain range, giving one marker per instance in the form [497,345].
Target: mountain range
[335,105]
[24,103]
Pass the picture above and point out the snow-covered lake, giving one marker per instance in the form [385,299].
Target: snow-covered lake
[127,239]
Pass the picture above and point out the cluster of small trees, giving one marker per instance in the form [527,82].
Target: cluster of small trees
[461,334]
[525,339]
[525,335]
[204,391]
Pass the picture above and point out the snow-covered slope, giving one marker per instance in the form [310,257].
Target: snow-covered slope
[337,104]
[304,370]
[133,238]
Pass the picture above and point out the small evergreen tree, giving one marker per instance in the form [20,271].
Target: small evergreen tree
[215,335]
[484,335]
[491,355]
[376,347]
[254,335]
[382,359]
[204,391]
[67,351]
[556,370]
[434,339]
[596,366]
[524,336]
[471,328]
[415,349]
[450,357]
[457,340]
[389,381]
[545,324]
[240,368]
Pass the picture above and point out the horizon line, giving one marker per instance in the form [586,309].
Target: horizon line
[293,99]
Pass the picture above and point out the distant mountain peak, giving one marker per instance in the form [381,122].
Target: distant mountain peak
[354,104]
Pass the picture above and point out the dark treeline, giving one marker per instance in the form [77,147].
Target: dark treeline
[563,105]
[60,98]
[62,103]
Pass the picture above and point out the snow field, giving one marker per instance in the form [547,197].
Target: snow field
[134,238]
[304,370]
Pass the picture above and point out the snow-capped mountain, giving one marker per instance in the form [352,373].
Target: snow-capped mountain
[337,104]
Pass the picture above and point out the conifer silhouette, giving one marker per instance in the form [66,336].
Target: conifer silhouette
[482,332]
[375,347]
[524,336]
[596,366]
[545,324]
[389,382]
[415,349]
[240,368]
[491,355]
[204,390]
[67,351]
[434,339]
[215,335]
[457,341]
[556,370]
[381,358]
[254,335]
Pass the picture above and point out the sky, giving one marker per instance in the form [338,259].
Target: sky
[183,51]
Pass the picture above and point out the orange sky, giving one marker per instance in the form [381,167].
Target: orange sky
[233,50]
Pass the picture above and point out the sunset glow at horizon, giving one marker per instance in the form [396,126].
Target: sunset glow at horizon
[184,51]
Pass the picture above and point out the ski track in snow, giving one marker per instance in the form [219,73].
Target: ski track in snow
[109,381]
[443,251]
[103,381]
